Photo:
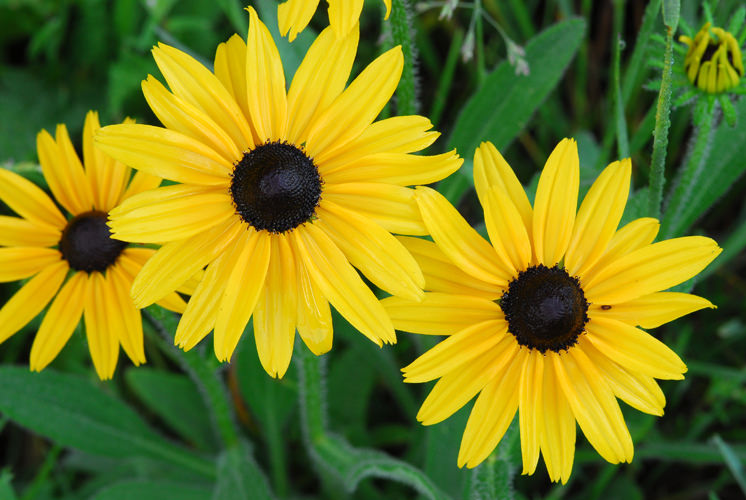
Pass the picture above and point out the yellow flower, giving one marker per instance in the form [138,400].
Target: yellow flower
[294,15]
[280,193]
[544,319]
[713,62]
[47,246]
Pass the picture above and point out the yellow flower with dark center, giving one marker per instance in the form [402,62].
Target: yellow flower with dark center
[73,262]
[713,62]
[280,192]
[543,320]
[294,15]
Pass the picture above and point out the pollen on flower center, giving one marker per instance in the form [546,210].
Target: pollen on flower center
[87,244]
[545,308]
[276,187]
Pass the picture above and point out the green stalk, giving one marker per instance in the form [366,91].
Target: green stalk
[493,478]
[202,374]
[403,34]
[479,28]
[662,124]
[312,395]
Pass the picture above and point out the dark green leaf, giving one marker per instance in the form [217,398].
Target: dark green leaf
[152,490]
[239,476]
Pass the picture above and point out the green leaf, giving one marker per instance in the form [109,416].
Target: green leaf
[239,476]
[732,461]
[6,489]
[175,399]
[73,412]
[152,490]
[503,105]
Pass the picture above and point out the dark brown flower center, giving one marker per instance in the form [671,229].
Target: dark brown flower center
[87,244]
[276,187]
[545,308]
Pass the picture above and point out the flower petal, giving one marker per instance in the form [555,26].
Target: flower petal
[651,311]
[63,171]
[131,261]
[31,299]
[17,263]
[15,231]
[458,240]
[106,177]
[294,15]
[59,322]
[373,250]
[124,318]
[440,313]
[102,342]
[507,232]
[28,201]
[276,311]
[598,217]
[558,438]
[141,181]
[340,284]
[165,153]
[230,69]
[635,350]
[650,269]
[530,411]
[344,15]
[555,203]
[265,81]
[395,168]
[314,315]
[241,294]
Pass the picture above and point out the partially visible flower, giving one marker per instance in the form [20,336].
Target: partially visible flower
[713,62]
[294,15]
[543,320]
[73,262]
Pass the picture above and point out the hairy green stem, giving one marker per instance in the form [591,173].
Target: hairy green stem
[403,34]
[312,394]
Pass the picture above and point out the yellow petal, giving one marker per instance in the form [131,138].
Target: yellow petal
[195,84]
[598,217]
[458,240]
[276,310]
[492,413]
[556,202]
[387,3]
[59,322]
[441,275]
[650,269]
[63,171]
[265,83]
[28,201]
[21,262]
[398,134]
[177,261]
[170,213]
[395,168]
[314,315]
[356,108]
[319,80]
[530,411]
[373,250]
[392,207]
[344,15]
[294,15]
[165,153]
[340,283]
[230,69]
[458,349]
[141,182]
[242,291]
[124,318]
[180,116]
[637,390]
[106,177]
[15,231]
[634,349]
[440,313]
[558,438]
[593,405]
[491,170]
[102,342]
[131,261]
[507,232]
[651,311]
[31,298]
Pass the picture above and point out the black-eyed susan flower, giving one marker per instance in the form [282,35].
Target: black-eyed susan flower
[280,193]
[544,320]
[294,15]
[713,62]
[72,260]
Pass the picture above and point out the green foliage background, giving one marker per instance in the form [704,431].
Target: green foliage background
[344,425]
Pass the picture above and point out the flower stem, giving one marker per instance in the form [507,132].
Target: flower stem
[403,34]
[312,395]
[202,373]
[662,124]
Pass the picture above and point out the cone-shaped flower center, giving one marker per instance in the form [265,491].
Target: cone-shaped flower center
[276,187]
[545,308]
[87,244]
